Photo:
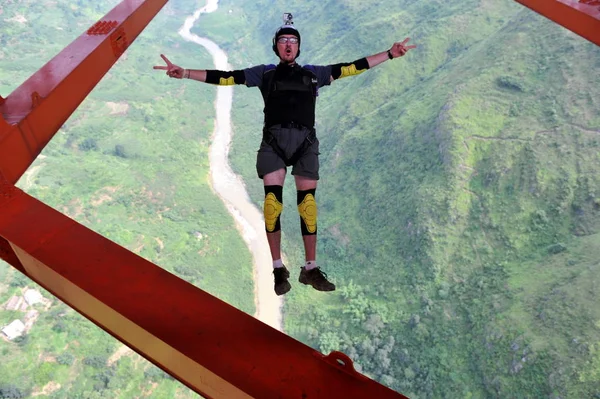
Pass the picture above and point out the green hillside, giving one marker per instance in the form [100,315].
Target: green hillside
[132,165]
[459,200]
[453,180]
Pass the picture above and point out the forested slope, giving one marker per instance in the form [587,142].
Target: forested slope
[459,200]
[131,164]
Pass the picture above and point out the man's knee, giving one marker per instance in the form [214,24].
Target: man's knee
[273,207]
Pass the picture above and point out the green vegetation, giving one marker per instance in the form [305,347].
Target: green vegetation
[132,165]
[459,204]
[449,176]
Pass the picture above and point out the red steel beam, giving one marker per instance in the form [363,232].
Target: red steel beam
[582,17]
[212,347]
[8,255]
[6,252]
[35,111]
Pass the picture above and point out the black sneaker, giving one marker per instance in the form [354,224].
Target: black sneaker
[316,278]
[282,284]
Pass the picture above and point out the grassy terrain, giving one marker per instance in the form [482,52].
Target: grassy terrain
[446,175]
[132,165]
[459,205]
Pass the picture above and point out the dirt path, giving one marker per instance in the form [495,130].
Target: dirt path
[122,351]
[28,177]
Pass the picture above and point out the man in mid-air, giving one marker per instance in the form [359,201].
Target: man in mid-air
[289,91]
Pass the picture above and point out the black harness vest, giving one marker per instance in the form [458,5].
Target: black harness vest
[306,83]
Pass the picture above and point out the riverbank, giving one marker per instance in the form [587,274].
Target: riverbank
[230,188]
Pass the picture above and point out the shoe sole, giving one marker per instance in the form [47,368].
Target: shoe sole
[308,283]
[283,288]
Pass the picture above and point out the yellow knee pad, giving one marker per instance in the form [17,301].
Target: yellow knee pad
[273,208]
[307,208]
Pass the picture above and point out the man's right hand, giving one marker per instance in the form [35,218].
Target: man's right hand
[173,70]
[399,49]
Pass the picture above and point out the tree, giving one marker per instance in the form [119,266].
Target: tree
[120,151]
[329,341]
[96,361]
[12,392]
[19,280]
[88,144]
[65,359]
[374,324]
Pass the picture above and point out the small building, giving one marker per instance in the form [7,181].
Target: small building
[14,303]
[14,329]
[33,296]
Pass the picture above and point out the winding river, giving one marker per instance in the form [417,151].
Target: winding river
[230,188]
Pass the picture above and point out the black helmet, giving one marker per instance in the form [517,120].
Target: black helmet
[286,29]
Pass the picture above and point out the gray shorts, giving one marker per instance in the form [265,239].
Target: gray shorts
[289,140]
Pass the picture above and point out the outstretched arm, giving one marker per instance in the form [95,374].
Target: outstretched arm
[195,74]
[398,50]
[223,78]
[359,66]
[177,72]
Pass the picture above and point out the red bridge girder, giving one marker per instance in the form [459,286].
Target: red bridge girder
[579,16]
[216,350]
[207,344]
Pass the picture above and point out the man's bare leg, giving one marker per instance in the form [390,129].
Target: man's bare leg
[274,240]
[273,207]
[276,178]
